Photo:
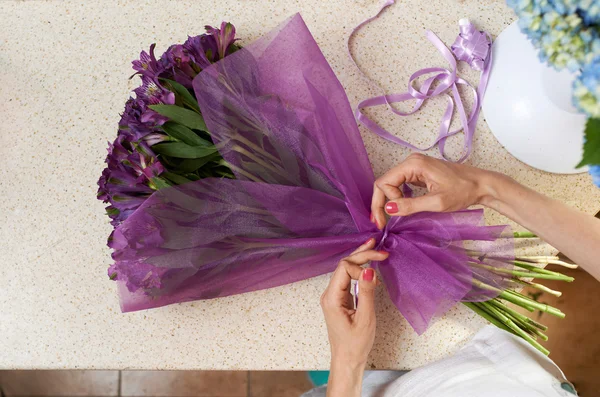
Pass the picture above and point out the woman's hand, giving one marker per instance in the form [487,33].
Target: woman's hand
[351,332]
[454,187]
[450,186]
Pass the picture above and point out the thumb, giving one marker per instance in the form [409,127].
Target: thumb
[409,206]
[365,310]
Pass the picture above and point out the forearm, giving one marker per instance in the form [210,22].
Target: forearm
[575,234]
[345,380]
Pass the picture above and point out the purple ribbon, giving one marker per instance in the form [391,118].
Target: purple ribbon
[471,46]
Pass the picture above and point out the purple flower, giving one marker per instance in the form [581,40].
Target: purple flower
[152,93]
[224,37]
[126,181]
[180,64]
[141,233]
[131,120]
[137,274]
[154,137]
[203,50]
[147,65]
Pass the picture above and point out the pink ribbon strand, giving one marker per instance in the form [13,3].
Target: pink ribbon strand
[471,46]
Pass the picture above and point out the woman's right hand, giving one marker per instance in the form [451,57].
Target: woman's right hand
[450,187]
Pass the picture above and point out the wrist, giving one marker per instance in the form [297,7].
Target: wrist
[490,188]
[349,366]
[345,378]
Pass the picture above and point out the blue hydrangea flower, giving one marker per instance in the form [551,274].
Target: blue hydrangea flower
[566,32]
[586,89]
[595,173]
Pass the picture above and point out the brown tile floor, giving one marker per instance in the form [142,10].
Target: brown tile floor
[154,383]
[573,341]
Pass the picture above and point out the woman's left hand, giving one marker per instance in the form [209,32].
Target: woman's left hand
[351,332]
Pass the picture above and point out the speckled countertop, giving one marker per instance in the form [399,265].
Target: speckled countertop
[64,68]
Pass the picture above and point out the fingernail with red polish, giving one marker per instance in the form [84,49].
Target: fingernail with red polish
[384,252]
[372,218]
[368,274]
[391,207]
[368,241]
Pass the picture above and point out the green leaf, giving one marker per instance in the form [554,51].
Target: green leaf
[176,179]
[184,134]
[113,276]
[591,147]
[186,96]
[183,150]
[112,211]
[159,183]
[180,115]
[191,165]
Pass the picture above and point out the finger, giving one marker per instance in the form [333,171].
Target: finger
[391,192]
[419,183]
[408,171]
[365,312]
[369,244]
[377,204]
[363,257]
[349,268]
[409,206]
[388,185]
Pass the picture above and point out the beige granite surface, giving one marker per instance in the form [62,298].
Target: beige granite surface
[64,68]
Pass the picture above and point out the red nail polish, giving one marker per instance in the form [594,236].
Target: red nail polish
[384,252]
[391,207]
[368,241]
[368,274]
[372,218]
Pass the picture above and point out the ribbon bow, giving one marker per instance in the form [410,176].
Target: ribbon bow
[471,46]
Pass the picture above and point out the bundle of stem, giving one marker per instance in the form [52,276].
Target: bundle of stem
[522,273]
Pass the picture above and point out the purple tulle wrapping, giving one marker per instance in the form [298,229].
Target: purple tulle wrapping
[301,200]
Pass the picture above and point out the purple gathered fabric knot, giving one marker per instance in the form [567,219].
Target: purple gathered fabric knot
[300,201]
[471,46]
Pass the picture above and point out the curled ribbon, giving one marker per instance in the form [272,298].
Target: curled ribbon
[471,46]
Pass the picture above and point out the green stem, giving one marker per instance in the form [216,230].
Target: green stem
[536,269]
[547,260]
[240,171]
[524,235]
[538,286]
[256,148]
[534,258]
[509,323]
[529,325]
[260,161]
[539,333]
[546,275]
[487,316]
[520,301]
[507,309]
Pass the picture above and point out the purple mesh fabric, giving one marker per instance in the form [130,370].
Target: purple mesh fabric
[300,202]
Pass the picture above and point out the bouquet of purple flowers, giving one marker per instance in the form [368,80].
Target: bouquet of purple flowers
[238,169]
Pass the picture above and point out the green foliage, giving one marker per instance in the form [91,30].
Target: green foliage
[591,147]
[183,150]
[188,118]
